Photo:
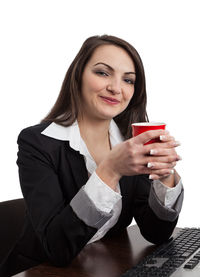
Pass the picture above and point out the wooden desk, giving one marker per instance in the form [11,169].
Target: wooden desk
[105,258]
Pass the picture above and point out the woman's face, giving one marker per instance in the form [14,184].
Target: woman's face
[107,82]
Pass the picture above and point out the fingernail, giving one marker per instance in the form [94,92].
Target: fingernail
[172,171]
[151,177]
[162,137]
[153,152]
[149,165]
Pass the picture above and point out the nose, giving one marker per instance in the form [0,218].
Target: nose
[114,86]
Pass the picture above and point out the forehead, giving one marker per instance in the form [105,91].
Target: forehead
[114,56]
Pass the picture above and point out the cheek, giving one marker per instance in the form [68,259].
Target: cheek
[93,84]
[129,94]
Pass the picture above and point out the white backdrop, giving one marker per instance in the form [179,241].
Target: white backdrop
[39,39]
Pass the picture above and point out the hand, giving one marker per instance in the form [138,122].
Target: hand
[132,157]
[167,151]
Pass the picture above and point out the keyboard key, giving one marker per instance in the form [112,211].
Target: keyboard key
[197,256]
[191,265]
[186,254]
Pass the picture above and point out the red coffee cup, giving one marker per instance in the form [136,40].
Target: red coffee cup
[141,127]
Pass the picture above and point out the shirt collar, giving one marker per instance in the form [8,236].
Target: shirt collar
[72,134]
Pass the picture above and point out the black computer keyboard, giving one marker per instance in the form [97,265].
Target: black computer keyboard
[169,256]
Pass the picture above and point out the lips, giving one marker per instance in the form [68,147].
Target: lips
[110,100]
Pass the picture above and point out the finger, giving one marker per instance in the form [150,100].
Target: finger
[155,165]
[160,159]
[166,138]
[164,152]
[155,148]
[161,151]
[161,172]
[157,177]
[149,135]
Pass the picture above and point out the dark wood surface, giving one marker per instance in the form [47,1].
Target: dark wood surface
[105,258]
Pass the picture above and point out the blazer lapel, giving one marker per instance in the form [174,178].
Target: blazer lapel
[77,164]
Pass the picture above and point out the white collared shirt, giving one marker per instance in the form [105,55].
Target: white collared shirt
[104,198]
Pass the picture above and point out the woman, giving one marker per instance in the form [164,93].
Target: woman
[82,174]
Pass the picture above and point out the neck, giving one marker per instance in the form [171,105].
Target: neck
[92,130]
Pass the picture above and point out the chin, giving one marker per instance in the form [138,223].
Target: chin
[109,116]
[107,113]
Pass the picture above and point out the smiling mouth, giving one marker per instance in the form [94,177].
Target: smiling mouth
[110,100]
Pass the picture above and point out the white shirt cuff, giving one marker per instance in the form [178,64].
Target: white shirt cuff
[101,194]
[166,195]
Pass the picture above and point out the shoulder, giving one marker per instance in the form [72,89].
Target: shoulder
[35,129]
[32,135]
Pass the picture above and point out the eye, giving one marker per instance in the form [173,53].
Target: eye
[129,81]
[102,73]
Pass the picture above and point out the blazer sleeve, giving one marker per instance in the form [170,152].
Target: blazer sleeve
[155,221]
[61,232]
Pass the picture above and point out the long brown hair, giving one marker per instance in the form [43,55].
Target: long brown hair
[68,104]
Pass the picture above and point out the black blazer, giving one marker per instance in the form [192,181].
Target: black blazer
[51,173]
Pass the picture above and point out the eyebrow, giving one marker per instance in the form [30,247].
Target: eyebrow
[113,69]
